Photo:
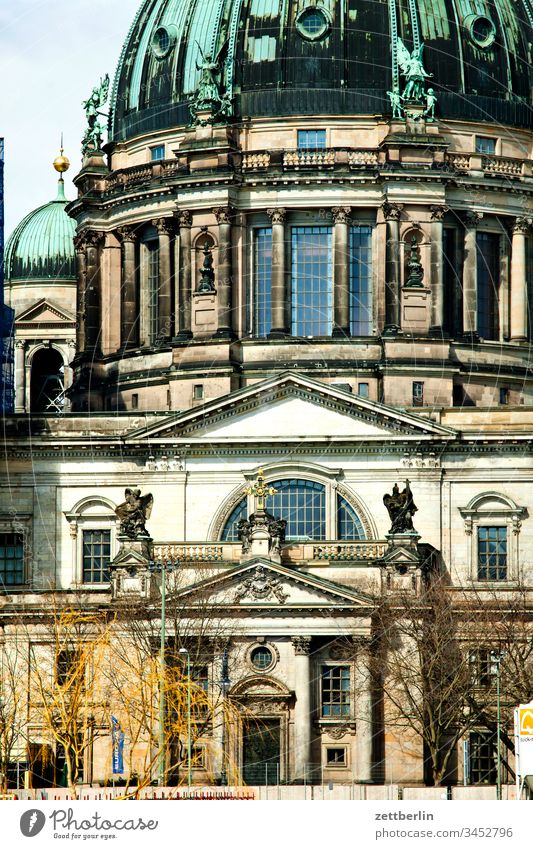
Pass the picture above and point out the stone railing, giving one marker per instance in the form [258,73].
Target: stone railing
[292,553]
[366,158]
[255,161]
[502,165]
[349,550]
[195,552]
[306,158]
[458,161]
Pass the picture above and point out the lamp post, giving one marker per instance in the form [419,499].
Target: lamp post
[189,739]
[162,662]
[224,686]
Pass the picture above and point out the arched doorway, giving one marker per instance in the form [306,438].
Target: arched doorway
[47,394]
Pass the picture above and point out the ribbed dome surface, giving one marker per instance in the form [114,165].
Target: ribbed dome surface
[42,246]
[335,57]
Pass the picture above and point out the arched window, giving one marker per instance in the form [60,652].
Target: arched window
[47,382]
[303,505]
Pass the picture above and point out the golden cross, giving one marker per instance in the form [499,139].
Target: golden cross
[260,490]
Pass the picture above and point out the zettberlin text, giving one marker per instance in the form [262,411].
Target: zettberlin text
[400,815]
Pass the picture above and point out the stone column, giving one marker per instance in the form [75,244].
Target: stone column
[129,298]
[92,292]
[437,269]
[303,710]
[184,317]
[279,323]
[363,696]
[20,376]
[392,213]
[519,305]
[341,280]
[81,257]
[471,222]
[165,230]
[224,279]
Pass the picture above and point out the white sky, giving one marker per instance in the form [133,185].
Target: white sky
[52,53]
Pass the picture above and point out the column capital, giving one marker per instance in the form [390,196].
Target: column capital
[80,243]
[471,219]
[20,344]
[164,226]
[278,215]
[93,238]
[127,233]
[223,214]
[301,645]
[521,225]
[392,211]
[184,217]
[438,212]
[341,214]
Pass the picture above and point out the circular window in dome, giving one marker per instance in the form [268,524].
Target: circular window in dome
[481,30]
[261,658]
[313,23]
[162,42]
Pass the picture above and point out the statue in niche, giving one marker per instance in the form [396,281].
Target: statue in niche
[207,274]
[401,508]
[244,530]
[134,513]
[93,138]
[414,72]
[416,272]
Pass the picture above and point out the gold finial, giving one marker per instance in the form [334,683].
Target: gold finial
[260,491]
[61,163]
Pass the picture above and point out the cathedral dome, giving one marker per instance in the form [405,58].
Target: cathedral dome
[287,57]
[42,246]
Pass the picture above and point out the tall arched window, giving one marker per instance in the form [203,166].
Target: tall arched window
[47,394]
[303,505]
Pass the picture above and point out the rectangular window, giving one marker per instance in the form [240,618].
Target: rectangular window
[96,556]
[361,281]
[153,290]
[488,285]
[452,282]
[11,559]
[312,281]
[482,758]
[504,395]
[492,554]
[483,667]
[485,145]
[198,391]
[418,394]
[336,757]
[263,281]
[135,401]
[158,153]
[68,666]
[362,390]
[335,695]
[311,139]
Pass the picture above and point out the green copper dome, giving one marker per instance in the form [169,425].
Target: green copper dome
[42,246]
[323,57]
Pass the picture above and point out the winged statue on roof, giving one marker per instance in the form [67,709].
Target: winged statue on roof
[134,513]
[210,96]
[412,68]
[93,138]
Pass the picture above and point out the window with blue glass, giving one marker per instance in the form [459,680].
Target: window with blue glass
[312,281]
[492,553]
[229,534]
[158,153]
[361,281]
[153,290]
[488,285]
[263,281]
[11,559]
[349,526]
[303,506]
[335,692]
[311,139]
[96,556]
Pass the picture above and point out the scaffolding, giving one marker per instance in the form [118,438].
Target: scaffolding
[7,317]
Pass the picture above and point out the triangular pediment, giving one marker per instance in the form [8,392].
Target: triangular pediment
[44,312]
[260,583]
[401,554]
[292,407]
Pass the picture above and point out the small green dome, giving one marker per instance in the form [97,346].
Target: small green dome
[42,246]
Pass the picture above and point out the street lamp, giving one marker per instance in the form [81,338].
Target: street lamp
[189,740]
[224,686]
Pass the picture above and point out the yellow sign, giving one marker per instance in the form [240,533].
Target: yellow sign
[525,718]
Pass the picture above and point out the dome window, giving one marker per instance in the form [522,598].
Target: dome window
[163,41]
[481,30]
[313,24]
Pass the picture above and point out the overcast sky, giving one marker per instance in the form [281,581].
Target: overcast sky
[52,53]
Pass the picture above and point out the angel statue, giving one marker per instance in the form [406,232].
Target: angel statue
[401,508]
[134,513]
[208,96]
[93,138]
[414,72]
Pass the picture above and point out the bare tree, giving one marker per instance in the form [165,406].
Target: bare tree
[13,702]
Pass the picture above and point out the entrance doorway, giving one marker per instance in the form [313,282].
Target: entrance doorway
[261,751]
